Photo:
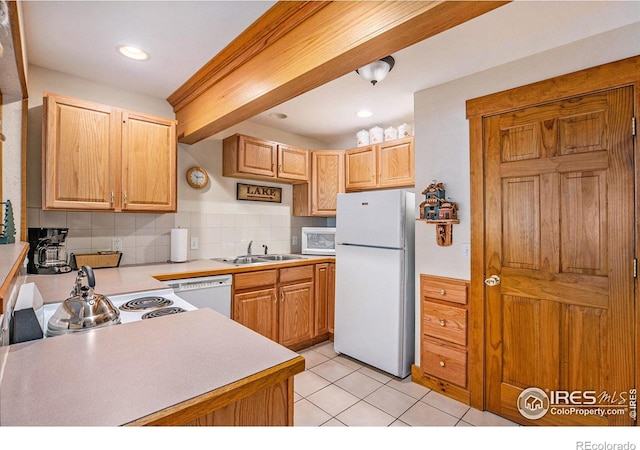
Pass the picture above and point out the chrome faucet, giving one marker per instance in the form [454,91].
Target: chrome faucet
[249,248]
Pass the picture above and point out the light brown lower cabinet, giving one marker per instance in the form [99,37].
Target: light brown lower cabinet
[444,336]
[288,305]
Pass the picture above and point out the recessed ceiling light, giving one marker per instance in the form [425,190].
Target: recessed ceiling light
[133,52]
[364,113]
[278,116]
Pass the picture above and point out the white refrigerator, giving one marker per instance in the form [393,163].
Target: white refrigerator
[374,304]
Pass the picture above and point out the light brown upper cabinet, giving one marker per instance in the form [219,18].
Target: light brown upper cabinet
[260,159]
[319,196]
[97,157]
[385,165]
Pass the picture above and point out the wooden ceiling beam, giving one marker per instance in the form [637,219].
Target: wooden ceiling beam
[297,46]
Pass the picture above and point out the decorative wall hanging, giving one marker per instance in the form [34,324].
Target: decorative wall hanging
[259,193]
[441,211]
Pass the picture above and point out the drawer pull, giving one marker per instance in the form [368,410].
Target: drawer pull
[441,363]
[443,292]
[442,323]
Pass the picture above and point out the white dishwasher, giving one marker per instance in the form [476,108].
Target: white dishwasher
[206,292]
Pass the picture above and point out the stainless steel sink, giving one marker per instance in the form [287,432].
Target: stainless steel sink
[262,259]
[279,257]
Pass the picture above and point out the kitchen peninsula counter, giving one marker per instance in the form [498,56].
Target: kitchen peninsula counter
[195,368]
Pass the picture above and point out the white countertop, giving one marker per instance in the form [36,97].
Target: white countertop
[114,375]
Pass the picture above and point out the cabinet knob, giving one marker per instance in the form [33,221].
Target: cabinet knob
[441,363]
[443,292]
[442,323]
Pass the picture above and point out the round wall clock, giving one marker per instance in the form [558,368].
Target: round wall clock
[197,177]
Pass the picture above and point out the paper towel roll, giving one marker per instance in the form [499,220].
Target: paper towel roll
[179,241]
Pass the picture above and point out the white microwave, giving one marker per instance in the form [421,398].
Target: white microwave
[318,241]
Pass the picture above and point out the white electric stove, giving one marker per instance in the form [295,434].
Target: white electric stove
[133,306]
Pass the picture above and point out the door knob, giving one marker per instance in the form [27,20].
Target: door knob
[493,280]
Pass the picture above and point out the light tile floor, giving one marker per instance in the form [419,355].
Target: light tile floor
[336,390]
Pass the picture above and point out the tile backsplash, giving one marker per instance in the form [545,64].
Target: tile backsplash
[146,238]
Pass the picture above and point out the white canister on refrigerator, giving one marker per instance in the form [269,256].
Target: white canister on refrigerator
[362,138]
[376,135]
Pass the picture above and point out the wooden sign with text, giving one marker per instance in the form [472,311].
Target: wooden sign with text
[259,193]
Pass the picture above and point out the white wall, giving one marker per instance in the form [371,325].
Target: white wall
[223,225]
[11,162]
[442,137]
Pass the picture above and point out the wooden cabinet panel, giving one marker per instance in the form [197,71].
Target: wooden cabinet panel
[255,279]
[293,163]
[331,297]
[257,310]
[360,168]
[396,163]
[445,322]
[149,177]
[445,361]
[96,157]
[297,273]
[321,322]
[319,196]
[261,159]
[296,313]
[441,288]
[385,165]
[79,161]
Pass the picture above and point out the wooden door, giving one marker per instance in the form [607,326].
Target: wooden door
[396,163]
[360,168]
[79,166]
[293,163]
[327,180]
[148,163]
[296,313]
[257,310]
[559,218]
[257,157]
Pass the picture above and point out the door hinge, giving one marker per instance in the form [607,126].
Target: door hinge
[633,126]
[635,267]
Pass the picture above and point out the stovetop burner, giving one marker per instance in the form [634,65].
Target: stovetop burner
[162,312]
[144,303]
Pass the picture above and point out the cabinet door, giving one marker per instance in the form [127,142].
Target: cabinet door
[79,168]
[321,321]
[331,296]
[148,163]
[296,313]
[257,157]
[360,168]
[327,180]
[257,310]
[293,163]
[396,163]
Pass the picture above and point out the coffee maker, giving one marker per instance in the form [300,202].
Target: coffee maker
[47,251]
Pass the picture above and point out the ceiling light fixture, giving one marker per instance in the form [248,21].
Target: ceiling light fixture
[133,52]
[279,116]
[364,113]
[377,70]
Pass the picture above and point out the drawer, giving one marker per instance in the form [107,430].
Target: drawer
[290,274]
[254,279]
[444,322]
[444,361]
[447,289]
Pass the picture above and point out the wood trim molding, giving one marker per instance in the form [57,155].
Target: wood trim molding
[608,76]
[197,407]
[297,46]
